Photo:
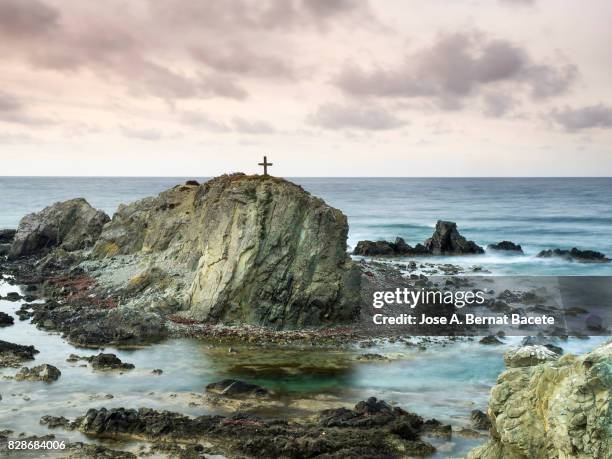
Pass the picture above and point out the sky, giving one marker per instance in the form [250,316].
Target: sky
[322,87]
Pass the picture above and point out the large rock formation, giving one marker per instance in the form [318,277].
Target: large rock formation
[71,225]
[254,249]
[445,240]
[557,409]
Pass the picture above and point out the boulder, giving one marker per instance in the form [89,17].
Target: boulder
[446,240]
[45,373]
[13,354]
[527,356]
[71,225]
[556,409]
[506,246]
[7,235]
[244,249]
[490,339]
[385,248]
[108,362]
[6,319]
[480,420]
[583,256]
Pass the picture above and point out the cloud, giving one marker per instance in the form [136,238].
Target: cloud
[333,116]
[13,111]
[244,126]
[497,104]
[589,117]
[25,18]
[458,66]
[142,134]
[202,121]
[519,2]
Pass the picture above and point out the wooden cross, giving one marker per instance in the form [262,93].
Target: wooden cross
[265,165]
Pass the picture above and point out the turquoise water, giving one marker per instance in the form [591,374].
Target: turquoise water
[538,213]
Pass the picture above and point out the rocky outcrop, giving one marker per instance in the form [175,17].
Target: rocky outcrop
[236,388]
[44,372]
[6,319]
[584,256]
[12,355]
[556,409]
[70,225]
[445,240]
[253,249]
[527,356]
[508,246]
[7,235]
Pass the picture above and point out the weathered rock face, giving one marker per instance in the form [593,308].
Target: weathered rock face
[253,249]
[527,356]
[557,409]
[446,240]
[70,225]
[584,256]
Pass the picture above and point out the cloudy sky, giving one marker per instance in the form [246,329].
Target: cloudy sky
[323,87]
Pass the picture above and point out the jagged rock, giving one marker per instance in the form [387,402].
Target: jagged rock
[557,409]
[6,320]
[385,248]
[446,240]
[506,246]
[480,420]
[108,362]
[44,372]
[527,356]
[13,296]
[7,235]
[72,225]
[14,354]
[584,256]
[490,339]
[237,388]
[255,249]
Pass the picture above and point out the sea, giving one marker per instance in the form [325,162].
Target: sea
[443,381]
[538,213]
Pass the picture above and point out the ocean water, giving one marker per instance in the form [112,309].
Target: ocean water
[538,213]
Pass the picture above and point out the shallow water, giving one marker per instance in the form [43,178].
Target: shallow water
[443,381]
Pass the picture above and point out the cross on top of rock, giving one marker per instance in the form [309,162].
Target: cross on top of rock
[265,165]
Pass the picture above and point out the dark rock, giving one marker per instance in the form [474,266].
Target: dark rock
[157,371]
[108,362]
[192,183]
[435,428]
[6,320]
[7,235]
[4,249]
[490,339]
[556,349]
[480,420]
[593,322]
[13,354]
[70,224]
[446,240]
[237,388]
[45,373]
[13,296]
[385,248]
[370,357]
[584,256]
[506,246]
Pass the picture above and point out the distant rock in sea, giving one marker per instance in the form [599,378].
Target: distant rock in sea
[445,240]
[558,408]
[506,246]
[70,225]
[584,256]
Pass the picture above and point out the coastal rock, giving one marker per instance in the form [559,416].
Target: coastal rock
[108,362]
[506,246]
[490,339]
[527,356]
[584,256]
[12,355]
[72,225]
[480,420]
[7,235]
[557,409]
[236,388]
[45,373]
[446,240]
[5,319]
[4,249]
[385,248]
[254,249]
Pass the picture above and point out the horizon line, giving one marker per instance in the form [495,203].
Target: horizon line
[320,176]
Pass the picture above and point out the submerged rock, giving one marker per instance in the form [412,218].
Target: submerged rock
[506,246]
[12,355]
[559,408]
[44,372]
[584,256]
[108,362]
[237,388]
[254,249]
[72,225]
